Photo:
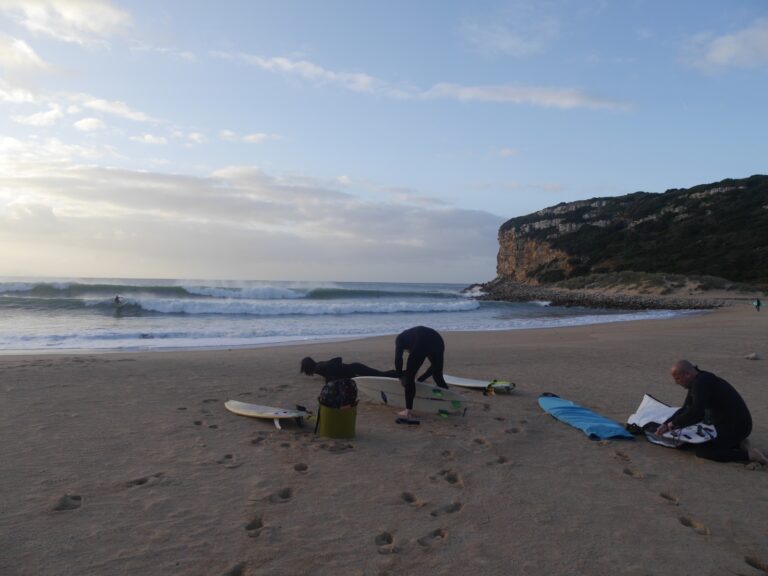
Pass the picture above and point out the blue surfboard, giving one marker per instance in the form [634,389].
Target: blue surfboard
[594,425]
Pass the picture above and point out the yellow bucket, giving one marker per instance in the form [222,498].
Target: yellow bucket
[337,422]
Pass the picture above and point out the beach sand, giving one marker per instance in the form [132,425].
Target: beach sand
[128,463]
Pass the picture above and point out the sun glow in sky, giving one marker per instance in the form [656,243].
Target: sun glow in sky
[344,140]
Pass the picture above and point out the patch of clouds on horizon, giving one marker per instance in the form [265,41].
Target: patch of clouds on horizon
[745,48]
[81,22]
[564,98]
[247,212]
[89,124]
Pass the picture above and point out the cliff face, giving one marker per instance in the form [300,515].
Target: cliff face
[716,229]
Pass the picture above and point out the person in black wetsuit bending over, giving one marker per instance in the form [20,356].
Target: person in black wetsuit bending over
[422,343]
[335,369]
[712,399]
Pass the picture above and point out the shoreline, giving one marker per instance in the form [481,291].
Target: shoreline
[509,291]
[320,340]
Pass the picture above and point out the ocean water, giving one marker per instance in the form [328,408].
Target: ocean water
[80,314]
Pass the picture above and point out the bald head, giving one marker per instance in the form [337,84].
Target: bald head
[683,373]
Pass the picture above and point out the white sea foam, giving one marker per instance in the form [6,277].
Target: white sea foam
[301,307]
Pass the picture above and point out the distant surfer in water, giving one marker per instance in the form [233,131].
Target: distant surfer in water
[118,300]
[422,343]
[714,401]
[335,369]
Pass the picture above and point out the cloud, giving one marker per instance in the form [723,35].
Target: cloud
[501,39]
[256,138]
[41,118]
[238,222]
[508,152]
[355,81]
[26,156]
[747,48]
[75,21]
[565,98]
[17,55]
[115,107]
[175,53]
[150,139]
[89,124]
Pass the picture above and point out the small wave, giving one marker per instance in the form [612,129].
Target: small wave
[250,292]
[301,307]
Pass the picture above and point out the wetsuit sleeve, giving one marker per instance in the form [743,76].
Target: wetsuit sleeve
[696,403]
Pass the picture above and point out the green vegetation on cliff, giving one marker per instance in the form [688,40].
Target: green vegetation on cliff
[718,229]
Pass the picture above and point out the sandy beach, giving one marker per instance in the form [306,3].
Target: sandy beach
[129,464]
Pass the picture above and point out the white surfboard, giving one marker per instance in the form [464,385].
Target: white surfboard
[267,412]
[486,385]
[428,398]
[653,411]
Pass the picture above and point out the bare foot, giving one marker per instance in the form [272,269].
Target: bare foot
[404,413]
[756,456]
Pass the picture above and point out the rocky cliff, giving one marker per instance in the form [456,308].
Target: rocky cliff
[718,229]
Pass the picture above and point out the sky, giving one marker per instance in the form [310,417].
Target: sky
[358,141]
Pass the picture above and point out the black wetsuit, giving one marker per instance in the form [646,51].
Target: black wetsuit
[334,369]
[712,399]
[422,343]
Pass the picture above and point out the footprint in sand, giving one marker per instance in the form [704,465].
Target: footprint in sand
[452,477]
[300,467]
[669,498]
[633,473]
[210,400]
[694,525]
[229,461]
[281,496]
[481,441]
[237,570]
[411,499]
[198,422]
[385,543]
[434,537]
[756,563]
[513,430]
[336,447]
[68,502]
[213,426]
[500,418]
[446,454]
[181,408]
[621,456]
[499,460]
[447,509]
[254,527]
[151,479]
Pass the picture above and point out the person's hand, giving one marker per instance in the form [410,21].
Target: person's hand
[666,427]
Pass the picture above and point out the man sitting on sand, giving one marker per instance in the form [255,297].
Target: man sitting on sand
[713,400]
[422,343]
[335,369]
